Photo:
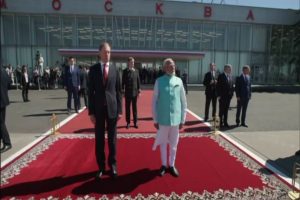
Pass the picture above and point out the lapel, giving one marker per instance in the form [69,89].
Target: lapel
[99,74]
[110,73]
[212,76]
[229,82]
[245,79]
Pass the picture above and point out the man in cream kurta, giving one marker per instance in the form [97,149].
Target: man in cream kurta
[169,112]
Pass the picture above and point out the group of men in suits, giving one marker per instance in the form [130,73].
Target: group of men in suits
[75,83]
[221,86]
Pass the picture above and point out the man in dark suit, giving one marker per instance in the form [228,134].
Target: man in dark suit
[105,107]
[225,92]
[243,94]
[83,85]
[5,83]
[131,84]
[25,83]
[72,83]
[210,82]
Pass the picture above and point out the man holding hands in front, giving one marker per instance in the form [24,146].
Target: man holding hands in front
[169,112]
[105,107]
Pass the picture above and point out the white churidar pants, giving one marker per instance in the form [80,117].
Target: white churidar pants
[167,135]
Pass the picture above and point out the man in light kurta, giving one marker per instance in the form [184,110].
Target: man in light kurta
[169,112]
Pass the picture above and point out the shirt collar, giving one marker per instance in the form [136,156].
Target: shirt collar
[102,64]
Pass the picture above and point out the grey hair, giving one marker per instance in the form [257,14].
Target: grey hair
[246,67]
[228,66]
[168,61]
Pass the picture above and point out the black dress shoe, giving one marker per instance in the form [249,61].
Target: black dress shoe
[5,147]
[128,126]
[99,174]
[226,125]
[244,125]
[237,124]
[162,170]
[174,172]
[114,173]
[136,126]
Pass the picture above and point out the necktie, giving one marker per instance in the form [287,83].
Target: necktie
[229,78]
[105,73]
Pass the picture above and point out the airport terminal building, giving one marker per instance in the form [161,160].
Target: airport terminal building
[193,34]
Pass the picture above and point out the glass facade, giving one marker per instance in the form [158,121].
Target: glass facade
[272,51]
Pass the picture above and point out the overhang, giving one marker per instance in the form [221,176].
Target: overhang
[135,53]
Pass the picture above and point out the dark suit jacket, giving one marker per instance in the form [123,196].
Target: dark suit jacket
[72,79]
[5,83]
[99,93]
[23,80]
[224,87]
[131,82]
[210,90]
[243,87]
[83,79]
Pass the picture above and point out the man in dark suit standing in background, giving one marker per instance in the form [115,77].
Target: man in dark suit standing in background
[4,101]
[72,83]
[105,107]
[131,84]
[210,82]
[243,94]
[225,92]
[83,85]
[25,83]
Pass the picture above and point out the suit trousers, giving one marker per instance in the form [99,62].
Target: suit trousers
[242,104]
[224,103]
[4,133]
[104,123]
[133,102]
[73,91]
[82,93]
[213,99]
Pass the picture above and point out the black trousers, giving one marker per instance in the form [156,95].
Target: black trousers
[73,91]
[224,103]
[4,133]
[131,101]
[185,88]
[25,92]
[213,99]
[242,104]
[82,93]
[104,123]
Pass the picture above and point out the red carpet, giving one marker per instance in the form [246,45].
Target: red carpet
[82,124]
[206,171]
